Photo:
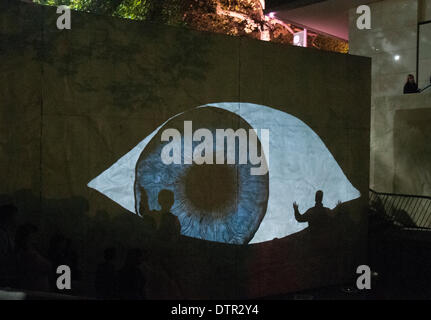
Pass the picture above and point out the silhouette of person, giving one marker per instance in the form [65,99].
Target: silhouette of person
[33,269]
[73,260]
[403,218]
[61,252]
[168,225]
[57,250]
[131,279]
[317,216]
[144,209]
[7,244]
[106,275]
[411,86]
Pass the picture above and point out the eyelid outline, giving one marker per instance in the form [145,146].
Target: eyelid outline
[273,221]
[128,200]
[124,176]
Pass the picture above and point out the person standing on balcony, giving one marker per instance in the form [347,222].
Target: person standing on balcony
[411,86]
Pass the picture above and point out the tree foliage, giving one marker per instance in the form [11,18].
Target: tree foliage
[167,11]
[231,17]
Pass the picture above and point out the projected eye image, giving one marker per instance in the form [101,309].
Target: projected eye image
[217,200]
[236,190]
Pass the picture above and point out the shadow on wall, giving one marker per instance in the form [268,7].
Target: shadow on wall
[138,66]
[187,267]
[89,235]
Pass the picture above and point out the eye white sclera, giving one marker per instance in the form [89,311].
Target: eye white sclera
[299,165]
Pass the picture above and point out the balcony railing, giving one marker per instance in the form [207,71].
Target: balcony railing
[408,211]
[426,88]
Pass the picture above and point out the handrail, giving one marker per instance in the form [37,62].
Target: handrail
[411,211]
[400,194]
[428,86]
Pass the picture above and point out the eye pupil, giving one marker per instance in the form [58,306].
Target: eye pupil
[211,188]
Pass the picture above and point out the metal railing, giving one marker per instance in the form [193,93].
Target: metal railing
[408,211]
[427,87]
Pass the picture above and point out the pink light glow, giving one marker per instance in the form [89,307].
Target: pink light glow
[305,38]
[300,38]
[253,25]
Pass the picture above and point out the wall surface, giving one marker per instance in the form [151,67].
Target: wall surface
[424,10]
[76,101]
[412,151]
[393,33]
[424,56]
[401,166]
[424,41]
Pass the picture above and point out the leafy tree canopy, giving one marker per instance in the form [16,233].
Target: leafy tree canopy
[167,11]
[232,17]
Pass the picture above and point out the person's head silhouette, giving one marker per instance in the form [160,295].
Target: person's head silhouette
[411,78]
[143,203]
[319,197]
[166,200]
[23,237]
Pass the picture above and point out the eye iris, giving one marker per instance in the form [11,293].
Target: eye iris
[215,202]
[211,188]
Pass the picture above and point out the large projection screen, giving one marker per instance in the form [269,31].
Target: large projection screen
[82,112]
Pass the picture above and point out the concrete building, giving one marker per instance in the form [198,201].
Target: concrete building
[399,43]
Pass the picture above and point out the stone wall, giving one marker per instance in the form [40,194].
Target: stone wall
[392,45]
[399,144]
[75,101]
[393,33]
